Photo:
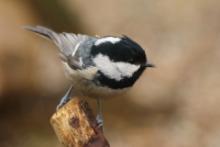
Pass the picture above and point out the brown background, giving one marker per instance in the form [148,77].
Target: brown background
[177,104]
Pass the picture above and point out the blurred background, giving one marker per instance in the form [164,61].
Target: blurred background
[176,104]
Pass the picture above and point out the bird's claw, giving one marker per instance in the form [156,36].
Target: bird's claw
[100,121]
[65,98]
[60,105]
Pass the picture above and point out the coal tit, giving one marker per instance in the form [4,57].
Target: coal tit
[98,67]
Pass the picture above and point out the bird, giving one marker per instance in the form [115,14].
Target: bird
[97,67]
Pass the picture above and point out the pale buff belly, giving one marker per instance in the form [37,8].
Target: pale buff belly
[84,87]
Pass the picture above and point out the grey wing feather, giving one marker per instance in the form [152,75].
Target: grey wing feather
[67,43]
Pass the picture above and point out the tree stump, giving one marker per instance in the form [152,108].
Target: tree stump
[76,126]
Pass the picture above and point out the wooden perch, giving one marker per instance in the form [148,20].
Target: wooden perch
[76,126]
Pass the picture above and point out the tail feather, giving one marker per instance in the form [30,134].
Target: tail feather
[65,42]
[44,32]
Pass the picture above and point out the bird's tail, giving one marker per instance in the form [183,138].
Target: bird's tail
[66,42]
[44,32]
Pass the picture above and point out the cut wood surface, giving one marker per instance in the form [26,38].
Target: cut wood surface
[76,126]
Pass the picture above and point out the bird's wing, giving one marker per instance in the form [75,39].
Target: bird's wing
[67,43]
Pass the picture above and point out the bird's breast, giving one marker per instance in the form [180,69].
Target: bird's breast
[84,85]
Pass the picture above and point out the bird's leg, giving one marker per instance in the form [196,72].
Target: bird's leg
[65,98]
[99,117]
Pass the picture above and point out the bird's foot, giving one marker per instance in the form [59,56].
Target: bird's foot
[65,99]
[61,104]
[100,121]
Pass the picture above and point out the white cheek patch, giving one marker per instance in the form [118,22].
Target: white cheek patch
[114,70]
[107,39]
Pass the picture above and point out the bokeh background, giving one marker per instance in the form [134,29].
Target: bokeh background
[176,104]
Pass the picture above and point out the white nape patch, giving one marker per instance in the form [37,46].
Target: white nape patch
[107,39]
[114,70]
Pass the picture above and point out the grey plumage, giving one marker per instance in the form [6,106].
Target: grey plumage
[74,48]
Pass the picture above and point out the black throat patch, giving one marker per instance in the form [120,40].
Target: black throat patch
[125,50]
[102,80]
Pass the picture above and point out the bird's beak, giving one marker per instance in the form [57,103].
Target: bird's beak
[149,65]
